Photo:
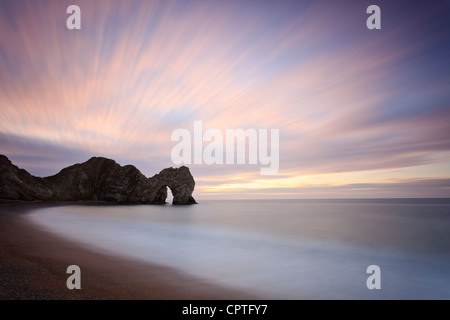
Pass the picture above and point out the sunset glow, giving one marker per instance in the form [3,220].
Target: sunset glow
[361,113]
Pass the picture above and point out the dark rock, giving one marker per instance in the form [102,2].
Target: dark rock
[18,184]
[180,181]
[98,179]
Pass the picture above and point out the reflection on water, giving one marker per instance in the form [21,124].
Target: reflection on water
[279,249]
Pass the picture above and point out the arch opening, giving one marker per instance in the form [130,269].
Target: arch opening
[169,198]
[164,195]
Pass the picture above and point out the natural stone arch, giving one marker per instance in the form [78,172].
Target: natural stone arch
[163,194]
[180,182]
[98,179]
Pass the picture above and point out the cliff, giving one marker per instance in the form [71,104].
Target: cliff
[98,179]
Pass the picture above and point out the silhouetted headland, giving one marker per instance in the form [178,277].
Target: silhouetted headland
[98,179]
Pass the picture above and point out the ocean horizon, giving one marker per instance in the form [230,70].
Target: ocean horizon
[277,249]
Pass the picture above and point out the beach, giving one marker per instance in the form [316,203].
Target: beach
[227,250]
[33,266]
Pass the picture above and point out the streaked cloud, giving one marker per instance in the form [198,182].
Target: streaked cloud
[347,101]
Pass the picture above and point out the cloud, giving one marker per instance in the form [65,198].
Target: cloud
[344,99]
[426,188]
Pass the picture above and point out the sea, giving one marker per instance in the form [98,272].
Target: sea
[278,249]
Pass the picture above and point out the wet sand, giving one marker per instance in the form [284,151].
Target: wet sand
[33,265]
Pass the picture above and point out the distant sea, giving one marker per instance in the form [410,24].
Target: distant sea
[278,249]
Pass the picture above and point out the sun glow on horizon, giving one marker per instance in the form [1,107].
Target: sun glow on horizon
[358,111]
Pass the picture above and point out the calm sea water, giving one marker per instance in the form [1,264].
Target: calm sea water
[279,249]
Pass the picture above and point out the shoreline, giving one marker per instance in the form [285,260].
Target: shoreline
[33,267]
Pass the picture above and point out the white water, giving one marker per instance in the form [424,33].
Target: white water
[277,249]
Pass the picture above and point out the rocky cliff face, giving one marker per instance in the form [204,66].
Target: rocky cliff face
[98,179]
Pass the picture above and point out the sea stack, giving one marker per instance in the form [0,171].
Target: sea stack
[98,179]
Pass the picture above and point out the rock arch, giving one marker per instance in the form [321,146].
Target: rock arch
[180,182]
[98,179]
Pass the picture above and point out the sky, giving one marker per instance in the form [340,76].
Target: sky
[361,113]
